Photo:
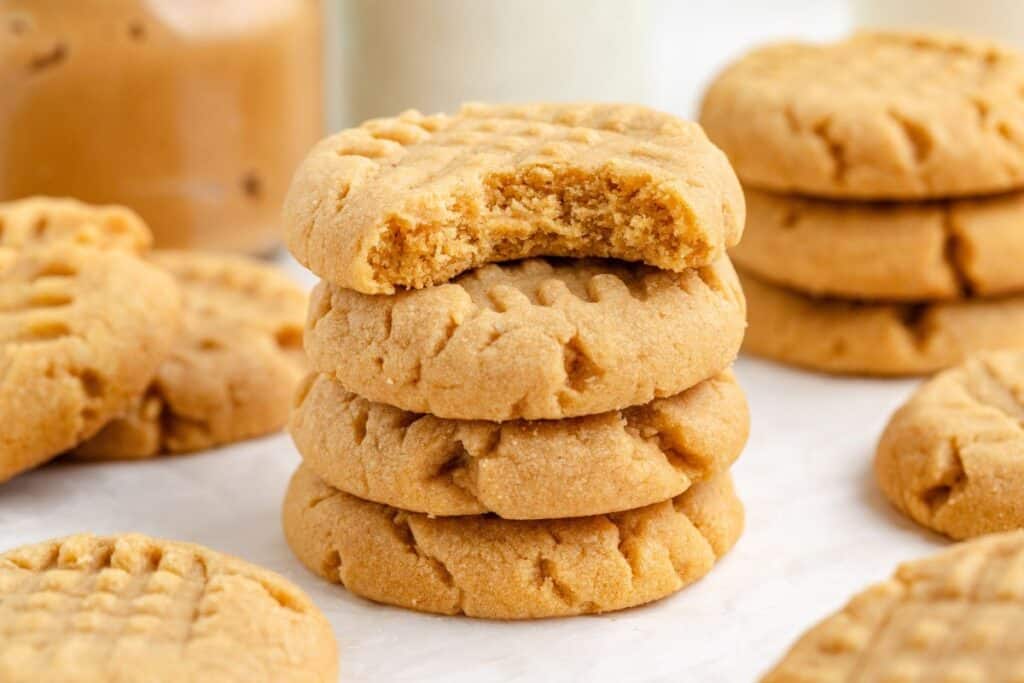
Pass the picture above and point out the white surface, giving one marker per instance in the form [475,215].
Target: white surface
[817,531]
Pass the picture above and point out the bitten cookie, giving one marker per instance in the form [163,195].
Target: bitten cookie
[876,339]
[880,115]
[537,339]
[896,252]
[140,610]
[232,371]
[416,200]
[952,458]
[489,567]
[42,220]
[520,470]
[82,332]
[954,616]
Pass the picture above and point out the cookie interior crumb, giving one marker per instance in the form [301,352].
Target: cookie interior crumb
[553,210]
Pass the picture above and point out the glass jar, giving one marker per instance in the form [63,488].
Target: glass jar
[192,112]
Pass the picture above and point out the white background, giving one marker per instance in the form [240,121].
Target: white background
[817,527]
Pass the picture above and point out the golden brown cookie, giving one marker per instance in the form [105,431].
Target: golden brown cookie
[135,609]
[954,616]
[40,220]
[535,339]
[878,115]
[896,252]
[839,336]
[484,566]
[232,371]
[952,458]
[415,200]
[520,470]
[82,331]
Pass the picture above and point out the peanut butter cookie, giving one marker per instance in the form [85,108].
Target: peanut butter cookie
[232,372]
[520,469]
[952,617]
[495,568]
[536,339]
[42,220]
[880,115]
[840,336]
[894,252]
[140,610]
[416,200]
[951,458]
[82,332]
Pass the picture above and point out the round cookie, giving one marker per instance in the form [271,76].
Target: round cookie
[39,220]
[414,201]
[135,609]
[848,337]
[536,339]
[82,332]
[232,371]
[950,458]
[879,115]
[895,252]
[520,470]
[954,616]
[484,566]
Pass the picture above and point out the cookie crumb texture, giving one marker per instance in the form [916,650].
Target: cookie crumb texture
[82,332]
[885,251]
[233,370]
[851,337]
[414,200]
[520,469]
[484,566]
[136,609]
[951,457]
[951,617]
[535,339]
[880,115]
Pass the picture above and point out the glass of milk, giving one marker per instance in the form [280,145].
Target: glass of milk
[434,54]
[999,19]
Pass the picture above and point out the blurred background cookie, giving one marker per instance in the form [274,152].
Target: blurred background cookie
[881,339]
[911,251]
[878,115]
[82,332]
[231,371]
[950,458]
[929,127]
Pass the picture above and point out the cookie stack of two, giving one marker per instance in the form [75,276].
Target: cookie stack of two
[884,179]
[522,404]
[109,351]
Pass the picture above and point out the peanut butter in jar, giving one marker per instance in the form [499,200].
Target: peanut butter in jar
[192,112]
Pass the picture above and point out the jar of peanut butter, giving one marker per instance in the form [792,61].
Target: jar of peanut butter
[192,112]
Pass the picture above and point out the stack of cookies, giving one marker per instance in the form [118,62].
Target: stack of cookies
[110,352]
[522,404]
[884,178]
